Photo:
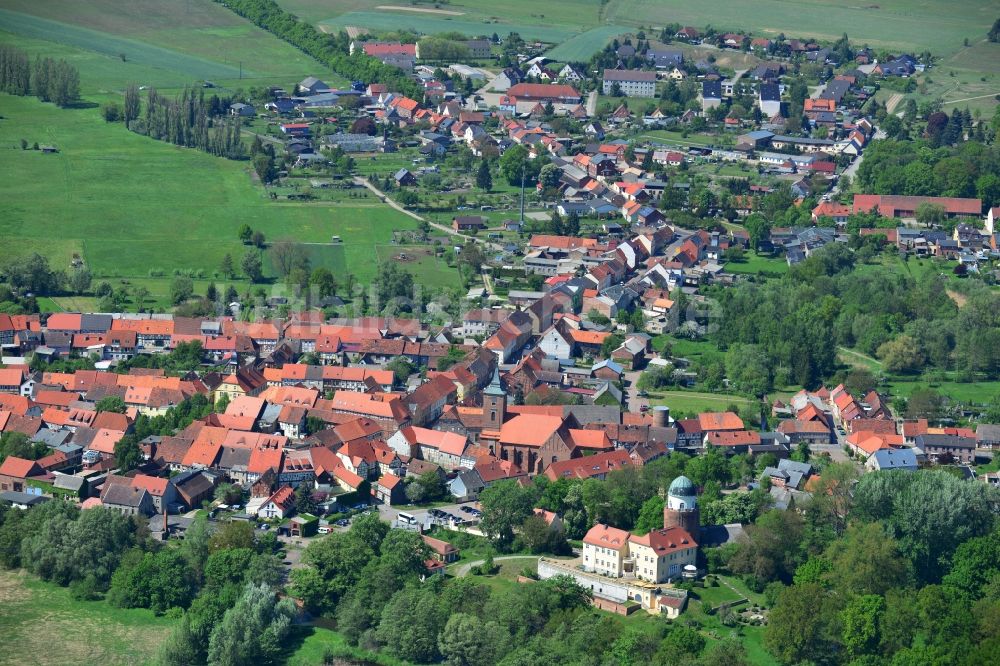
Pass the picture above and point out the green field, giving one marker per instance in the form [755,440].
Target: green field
[42,624]
[572,13]
[430,24]
[893,24]
[696,402]
[137,209]
[181,39]
[584,45]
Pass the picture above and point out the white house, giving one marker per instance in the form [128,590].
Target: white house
[555,344]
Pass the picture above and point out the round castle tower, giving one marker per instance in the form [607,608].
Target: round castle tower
[681,509]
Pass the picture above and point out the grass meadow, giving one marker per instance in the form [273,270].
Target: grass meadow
[166,44]
[33,613]
[891,24]
[584,45]
[574,14]
[137,209]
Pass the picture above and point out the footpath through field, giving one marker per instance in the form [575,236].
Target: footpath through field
[440,227]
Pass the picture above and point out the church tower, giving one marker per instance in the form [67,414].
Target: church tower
[494,403]
[681,509]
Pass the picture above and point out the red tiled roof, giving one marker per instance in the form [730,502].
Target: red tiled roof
[605,536]
[720,421]
[19,468]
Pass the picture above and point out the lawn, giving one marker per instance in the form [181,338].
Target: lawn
[135,208]
[756,264]
[692,402]
[89,632]
[312,643]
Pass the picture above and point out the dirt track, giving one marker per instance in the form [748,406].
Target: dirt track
[422,10]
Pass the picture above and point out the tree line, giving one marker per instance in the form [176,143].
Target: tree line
[49,79]
[329,49]
[969,169]
[188,120]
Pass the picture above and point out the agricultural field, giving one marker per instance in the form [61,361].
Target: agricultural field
[912,25]
[137,209]
[575,14]
[431,24]
[33,612]
[165,45]
[584,45]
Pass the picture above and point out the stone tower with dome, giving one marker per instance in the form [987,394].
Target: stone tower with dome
[681,509]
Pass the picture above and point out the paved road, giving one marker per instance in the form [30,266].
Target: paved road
[592,103]
[853,168]
[635,403]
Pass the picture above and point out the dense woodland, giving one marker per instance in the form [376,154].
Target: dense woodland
[788,329]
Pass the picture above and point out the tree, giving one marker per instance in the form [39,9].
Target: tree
[484,179]
[252,631]
[866,560]
[797,625]
[245,233]
[410,624]
[132,104]
[748,369]
[324,282]
[514,161]
[263,166]
[304,502]
[80,279]
[226,266]
[128,455]
[232,534]
[258,239]
[252,265]
[468,641]
[111,403]
[181,289]
[859,381]
[394,283]
[901,354]
[861,619]
[33,274]
[929,214]
[505,505]
[925,403]
[975,564]
[535,534]
[287,256]
[918,507]
[771,551]
[159,581]
[650,515]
